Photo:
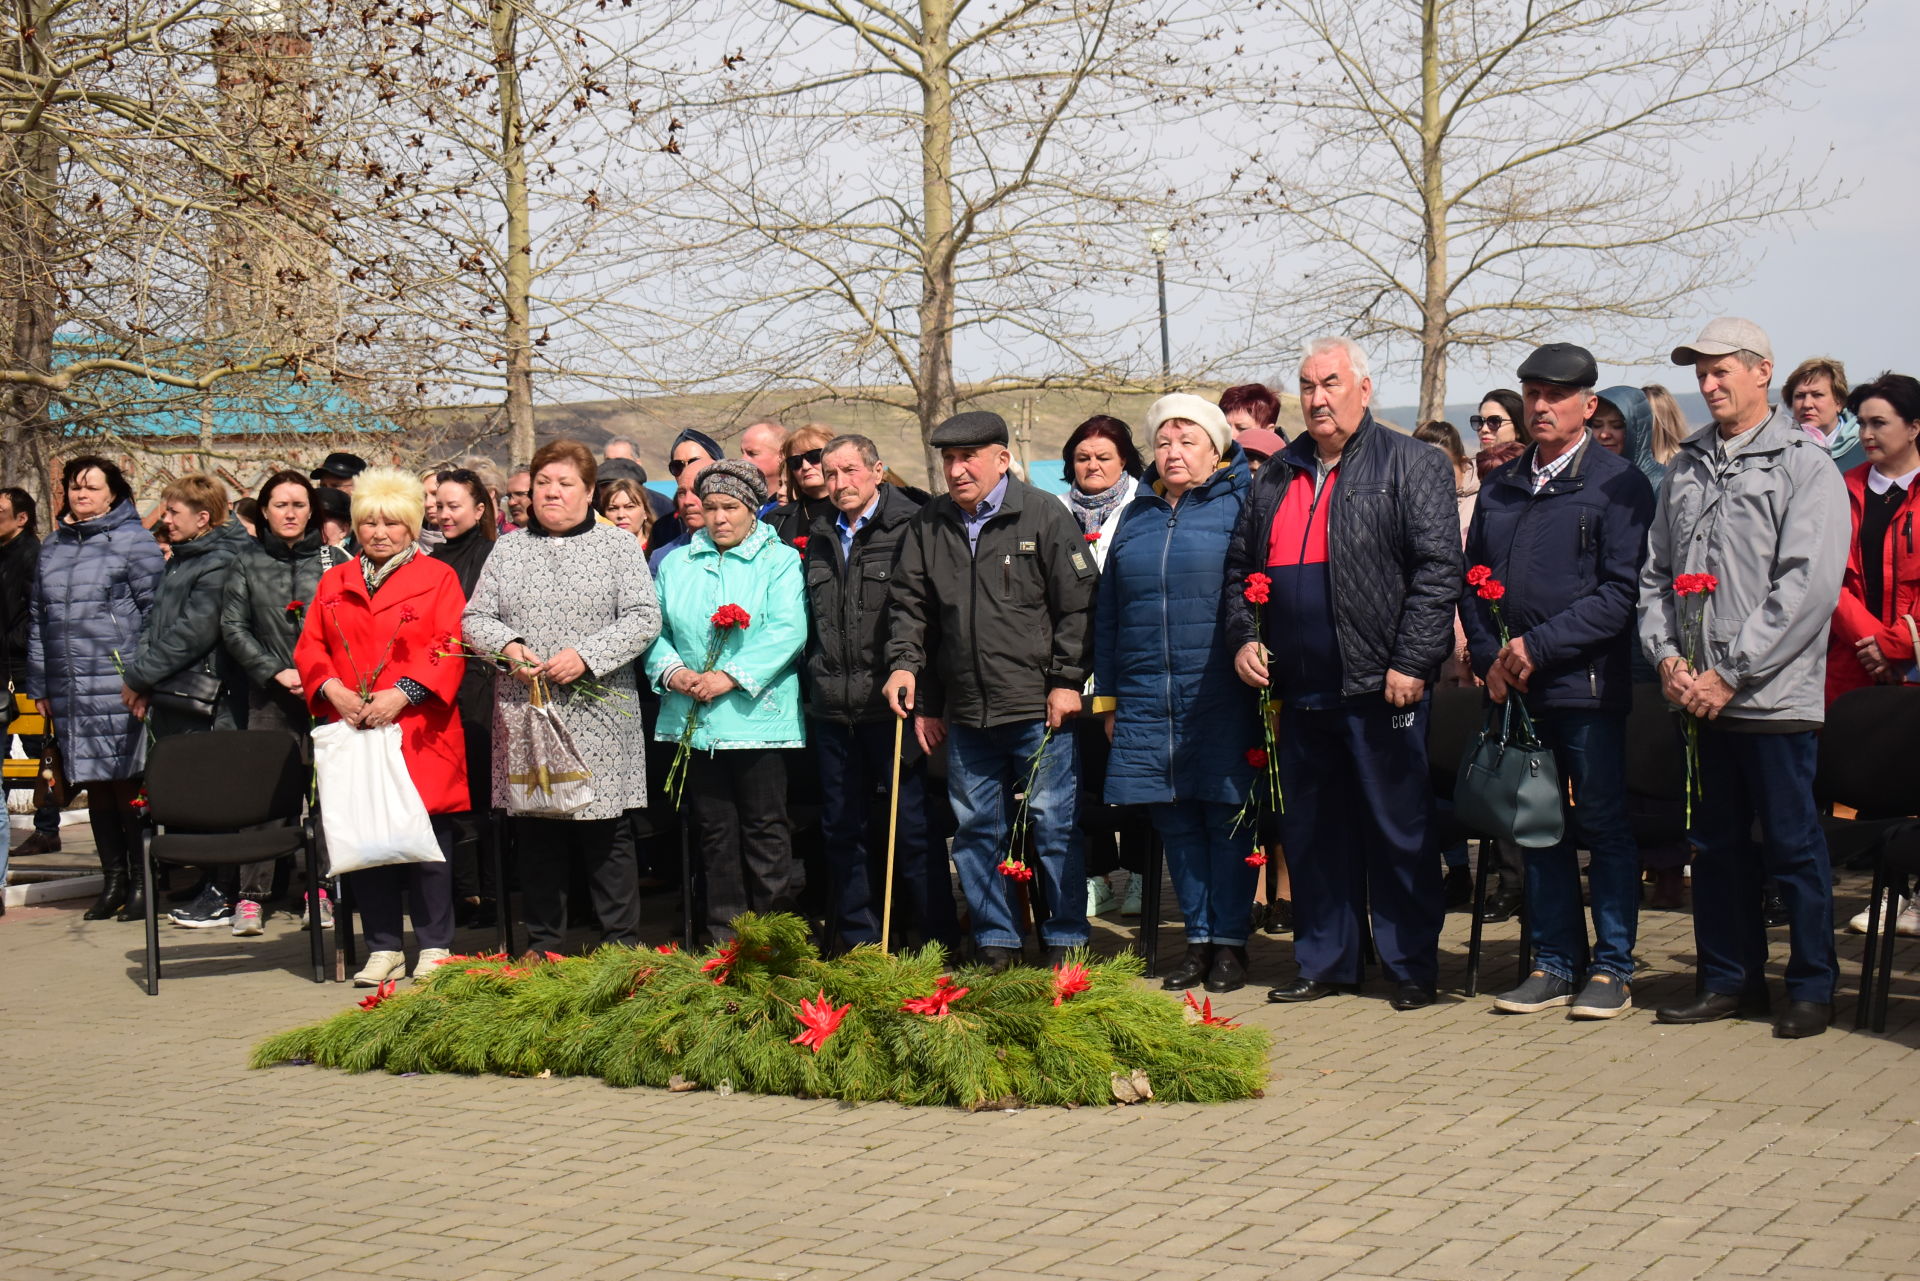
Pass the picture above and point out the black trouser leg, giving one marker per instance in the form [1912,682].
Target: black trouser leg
[714,822]
[545,863]
[766,838]
[605,847]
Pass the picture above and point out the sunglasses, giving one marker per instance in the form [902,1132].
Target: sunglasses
[811,458]
[457,475]
[1494,421]
[679,465]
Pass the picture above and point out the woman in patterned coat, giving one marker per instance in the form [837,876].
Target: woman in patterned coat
[569,600]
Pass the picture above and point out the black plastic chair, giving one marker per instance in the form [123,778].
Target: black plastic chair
[1867,755]
[221,799]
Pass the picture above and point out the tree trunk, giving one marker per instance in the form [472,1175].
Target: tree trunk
[933,384]
[517,277]
[29,190]
[1433,211]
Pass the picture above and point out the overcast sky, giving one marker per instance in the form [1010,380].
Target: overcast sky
[1847,285]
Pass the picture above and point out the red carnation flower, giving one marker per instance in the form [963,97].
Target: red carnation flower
[1478,575]
[1492,589]
[800,544]
[1259,587]
[295,606]
[1094,536]
[1257,757]
[1256,859]
[408,614]
[1014,869]
[731,616]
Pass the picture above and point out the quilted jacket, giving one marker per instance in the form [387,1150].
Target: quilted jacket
[266,577]
[92,594]
[183,631]
[1393,552]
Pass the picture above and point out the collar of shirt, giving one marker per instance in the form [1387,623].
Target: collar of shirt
[1727,446]
[988,505]
[848,531]
[1544,472]
[1880,484]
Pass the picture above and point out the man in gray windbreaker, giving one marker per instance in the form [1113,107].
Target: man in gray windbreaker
[1756,505]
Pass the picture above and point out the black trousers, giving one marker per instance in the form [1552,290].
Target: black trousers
[736,804]
[424,891]
[550,848]
[117,825]
[856,769]
[472,874]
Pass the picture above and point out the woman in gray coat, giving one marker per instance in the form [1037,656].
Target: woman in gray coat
[93,590]
[568,600]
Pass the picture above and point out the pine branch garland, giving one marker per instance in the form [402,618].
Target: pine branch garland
[637,1016]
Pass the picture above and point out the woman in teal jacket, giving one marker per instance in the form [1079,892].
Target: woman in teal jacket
[741,686]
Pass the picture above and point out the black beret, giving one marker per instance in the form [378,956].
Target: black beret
[1560,363]
[970,430]
[333,503]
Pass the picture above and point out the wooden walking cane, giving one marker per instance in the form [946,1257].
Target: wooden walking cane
[893,832]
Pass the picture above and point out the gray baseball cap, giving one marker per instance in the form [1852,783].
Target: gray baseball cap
[1723,337]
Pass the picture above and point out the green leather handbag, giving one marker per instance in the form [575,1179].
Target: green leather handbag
[1508,787]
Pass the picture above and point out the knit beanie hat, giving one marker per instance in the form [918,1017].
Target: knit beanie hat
[1195,409]
[737,478]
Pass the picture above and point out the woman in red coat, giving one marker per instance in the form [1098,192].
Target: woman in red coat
[1871,641]
[367,656]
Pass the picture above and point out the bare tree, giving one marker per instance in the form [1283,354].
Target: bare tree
[873,194]
[1485,173]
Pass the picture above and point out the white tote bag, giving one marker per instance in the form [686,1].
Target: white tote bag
[370,811]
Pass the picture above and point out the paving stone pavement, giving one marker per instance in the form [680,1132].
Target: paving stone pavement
[1445,1143]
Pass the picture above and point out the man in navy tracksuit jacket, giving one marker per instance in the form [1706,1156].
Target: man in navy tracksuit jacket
[1357,528]
[1563,529]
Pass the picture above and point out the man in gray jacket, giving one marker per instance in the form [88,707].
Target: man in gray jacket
[1754,508]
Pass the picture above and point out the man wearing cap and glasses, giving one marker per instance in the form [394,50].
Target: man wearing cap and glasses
[1564,527]
[338,471]
[994,594]
[1754,502]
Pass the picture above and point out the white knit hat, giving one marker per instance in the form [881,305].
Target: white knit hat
[1195,409]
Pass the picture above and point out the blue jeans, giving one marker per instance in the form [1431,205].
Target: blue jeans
[1208,860]
[1767,778]
[1591,750]
[855,770]
[984,767]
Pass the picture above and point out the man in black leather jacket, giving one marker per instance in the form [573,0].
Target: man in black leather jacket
[1356,530]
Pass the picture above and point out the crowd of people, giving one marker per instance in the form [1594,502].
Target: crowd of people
[1219,636]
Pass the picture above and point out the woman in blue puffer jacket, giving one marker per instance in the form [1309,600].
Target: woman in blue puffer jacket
[1181,722]
[92,593]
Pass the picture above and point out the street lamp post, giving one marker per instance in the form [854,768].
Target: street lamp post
[1157,241]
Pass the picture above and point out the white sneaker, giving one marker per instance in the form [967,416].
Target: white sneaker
[380,967]
[1100,896]
[1909,922]
[1130,902]
[1858,924]
[427,962]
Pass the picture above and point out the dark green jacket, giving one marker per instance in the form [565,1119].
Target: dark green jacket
[266,577]
[183,631]
[999,627]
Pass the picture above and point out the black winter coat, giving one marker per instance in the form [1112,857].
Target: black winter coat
[18,561]
[183,631]
[466,555]
[848,606]
[795,520]
[268,575]
[1002,626]
[1569,557]
[1393,554]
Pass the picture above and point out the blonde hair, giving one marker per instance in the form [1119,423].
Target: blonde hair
[200,492]
[1669,423]
[812,436]
[390,493]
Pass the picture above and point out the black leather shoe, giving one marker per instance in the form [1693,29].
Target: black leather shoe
[1229,972]
[136,908]
[1803,1018]
[1192,970]
[1457,890]
[1279,917]
[1501,906]
[1775,909]
[113,897]
[998,960]
[1412,996]
[1057,956]
[1308,990]
[1711,1007]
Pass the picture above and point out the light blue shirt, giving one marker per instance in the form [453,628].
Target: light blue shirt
[988,506]
[848,531]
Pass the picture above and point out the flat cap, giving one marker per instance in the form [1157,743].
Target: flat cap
[620,469]
[1562,364]
[1723,337]
[970,430]
[341,466]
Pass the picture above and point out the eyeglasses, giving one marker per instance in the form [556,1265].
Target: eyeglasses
[809,459]
[1494,421]
[679,465]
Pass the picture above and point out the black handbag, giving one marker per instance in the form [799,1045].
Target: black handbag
[51,789]
[194,691]
[1508,787]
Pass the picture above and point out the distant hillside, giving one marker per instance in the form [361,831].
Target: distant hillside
[1042,421]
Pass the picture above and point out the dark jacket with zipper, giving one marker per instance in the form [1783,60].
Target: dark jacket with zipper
[847,600]
[1393,554]
[183,631]
[267,576]
[1000,627]
[466,555]
[1569,558]
[18,561]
